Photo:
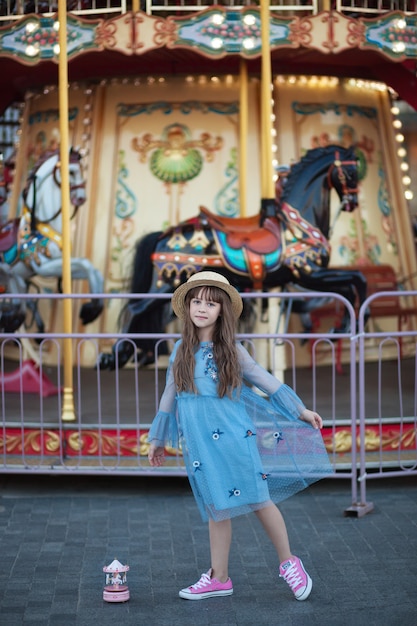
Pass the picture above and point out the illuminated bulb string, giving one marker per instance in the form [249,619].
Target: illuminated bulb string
[230,80]
[275,161]
[401,152]
[360,84]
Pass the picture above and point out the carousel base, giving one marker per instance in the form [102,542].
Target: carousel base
[116,594]
[91,450]
[33,439]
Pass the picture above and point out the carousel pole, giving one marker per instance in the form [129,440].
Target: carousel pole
[68,412]
[268,204]
[268,194]
[243,137]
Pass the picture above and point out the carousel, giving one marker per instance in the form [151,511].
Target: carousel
[263,141]
[177,114]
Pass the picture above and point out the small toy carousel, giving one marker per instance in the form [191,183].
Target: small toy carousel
[116,589]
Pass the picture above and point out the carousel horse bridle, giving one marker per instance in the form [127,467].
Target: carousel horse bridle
[33,179]
[338,166]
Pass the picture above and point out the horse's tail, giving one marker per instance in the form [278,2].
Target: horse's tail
[142,264]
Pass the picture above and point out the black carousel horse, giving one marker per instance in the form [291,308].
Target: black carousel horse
[286,243]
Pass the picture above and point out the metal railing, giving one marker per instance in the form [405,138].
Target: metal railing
[11,10]
[370,412]
[14,9]
[276,6]
[372,8]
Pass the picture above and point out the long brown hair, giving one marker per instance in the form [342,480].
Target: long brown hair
[224,345]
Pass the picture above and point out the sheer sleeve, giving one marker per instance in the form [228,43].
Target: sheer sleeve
[164,428]
[282,397]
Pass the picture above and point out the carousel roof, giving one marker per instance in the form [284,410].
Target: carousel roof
[116,566]
[212,41]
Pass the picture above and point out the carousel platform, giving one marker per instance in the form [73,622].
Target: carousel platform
[113,411]
[108,397]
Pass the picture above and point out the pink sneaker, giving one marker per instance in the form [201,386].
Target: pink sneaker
[207,587]
[293,572]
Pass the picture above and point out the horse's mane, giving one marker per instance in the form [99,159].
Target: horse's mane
[311,157]
[75,156]
[48,154]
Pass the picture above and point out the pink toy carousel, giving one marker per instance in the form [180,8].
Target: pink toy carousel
[116,589]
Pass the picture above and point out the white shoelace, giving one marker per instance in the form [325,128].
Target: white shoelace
[292,576]
[204,580]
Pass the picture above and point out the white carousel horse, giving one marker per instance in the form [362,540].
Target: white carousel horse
[32,244]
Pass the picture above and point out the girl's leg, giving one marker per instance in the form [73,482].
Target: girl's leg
[274,525]
[216,581]
[291,568]
[220,540]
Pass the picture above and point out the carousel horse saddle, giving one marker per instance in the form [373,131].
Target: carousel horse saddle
[245,232]
[8,234]
[230,224]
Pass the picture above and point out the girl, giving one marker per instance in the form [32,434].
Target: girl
[241,451]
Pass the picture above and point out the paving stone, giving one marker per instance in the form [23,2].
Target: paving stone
[56,538]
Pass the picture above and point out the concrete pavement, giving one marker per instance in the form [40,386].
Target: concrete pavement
[57,533]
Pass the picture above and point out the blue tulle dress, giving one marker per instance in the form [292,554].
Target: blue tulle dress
[241,452]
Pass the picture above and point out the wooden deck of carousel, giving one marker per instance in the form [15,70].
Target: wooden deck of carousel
[114,409]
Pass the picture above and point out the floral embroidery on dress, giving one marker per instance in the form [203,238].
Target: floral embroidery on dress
[278,436]
[234,492]
[197,466]
[216,434]
[210,369]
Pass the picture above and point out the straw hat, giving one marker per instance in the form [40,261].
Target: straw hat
[206,279]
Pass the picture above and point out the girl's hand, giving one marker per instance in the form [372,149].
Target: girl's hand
[311,417]
[156,455]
